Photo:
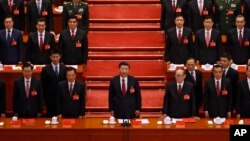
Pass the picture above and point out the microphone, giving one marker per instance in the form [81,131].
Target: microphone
[125,123]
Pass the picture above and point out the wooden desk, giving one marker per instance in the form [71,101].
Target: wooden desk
[9,76]
[92,129]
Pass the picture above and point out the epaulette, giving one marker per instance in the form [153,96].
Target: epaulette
[84,3]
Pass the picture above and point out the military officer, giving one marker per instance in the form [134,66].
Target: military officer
[80,10]
[225,13]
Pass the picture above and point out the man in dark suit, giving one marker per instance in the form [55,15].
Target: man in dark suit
[78,9]
[195,77]
[40,44]
[37,9]
[197,11]
[243,96]
[217,95]
[179,98]
[73,44]
[11,43]
[178,43]
[171,8]
[2,99]
[231,74]
[71,96]
[28,94]
[245,11]
[124,94]
[207,43]
[51,75]
[238,42]
[15,8]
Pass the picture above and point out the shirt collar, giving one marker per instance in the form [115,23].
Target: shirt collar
[180,84]
[73,83]
[217,80]
[242,30]
[43,33]
[9,29]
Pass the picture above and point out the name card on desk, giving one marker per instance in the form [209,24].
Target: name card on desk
[8,67]
[38,67]
[74,66]
[28,121]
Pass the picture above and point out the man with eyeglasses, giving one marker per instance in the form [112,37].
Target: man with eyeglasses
[179,99]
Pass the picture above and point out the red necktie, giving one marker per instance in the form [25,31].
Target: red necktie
[10,5]
[179,89]
[207,39]
[218,87]
[240,38]
[123,87]
[27,88]
[72,34]
[179,36]
[71,89]
[41,41]
[173,5]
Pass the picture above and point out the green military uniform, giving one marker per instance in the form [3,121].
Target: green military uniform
[225,13]
[80,10]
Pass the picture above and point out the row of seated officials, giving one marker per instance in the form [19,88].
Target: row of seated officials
[63,96]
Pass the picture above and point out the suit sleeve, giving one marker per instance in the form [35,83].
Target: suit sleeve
[190,16]
[82,102]
[229,43]
[20,47]
[163,7]
[166,100]
[191,45]
[86,19]
[111,96]
[193,102]
[59,96]
[15,98]
[28,49]
[51,17]
[205,98]
[28,17]
[40,99]
[61,45]
[238,97]
[22,15]
[85,49]
[219,46]
[138,96]
[2,97]
[44,79]
[64,17]
[167,47]
[197,47]
[230,98]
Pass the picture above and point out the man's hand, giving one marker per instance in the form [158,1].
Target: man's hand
[206,114]
[2,115]
[229,114]
[137,113]
[112,113]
